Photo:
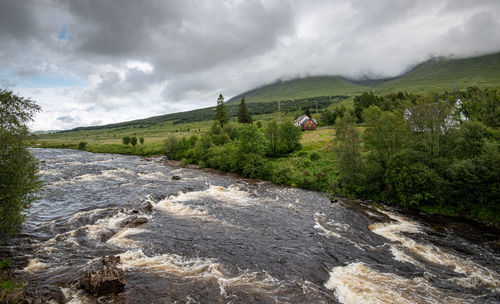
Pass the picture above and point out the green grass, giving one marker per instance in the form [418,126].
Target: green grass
[439,75]
[4,263]
[302,88]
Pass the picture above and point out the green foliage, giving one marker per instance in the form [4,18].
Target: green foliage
[433,160]
[126,140]
[272,133]
[289,139]
[18,167]
[347,146]
[366,99]
[82,145]
[243,115]
[172,147]
[412,183]
[133,141]
[330,115]
[308,112]
[221,115]
[141,140]
[259,124]
[4,263]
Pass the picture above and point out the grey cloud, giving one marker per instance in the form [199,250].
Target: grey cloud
[201,48]
[67,119]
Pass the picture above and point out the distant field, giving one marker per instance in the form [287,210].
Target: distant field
[110,140]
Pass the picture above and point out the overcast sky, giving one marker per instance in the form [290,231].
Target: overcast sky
[96,62]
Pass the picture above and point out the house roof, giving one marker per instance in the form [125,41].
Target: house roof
[303,119]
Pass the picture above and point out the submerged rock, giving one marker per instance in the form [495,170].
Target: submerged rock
[176,177]
[133,221]
[109,279]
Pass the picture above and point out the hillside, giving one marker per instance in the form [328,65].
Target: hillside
[435,75]
[442,74]
[301,88]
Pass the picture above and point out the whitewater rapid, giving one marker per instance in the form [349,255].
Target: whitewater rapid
[217,238]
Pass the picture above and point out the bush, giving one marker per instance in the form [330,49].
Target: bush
[133,141]
[171,147]
[126,140]
[82,145]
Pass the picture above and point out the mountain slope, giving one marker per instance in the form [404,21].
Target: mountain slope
[435,75]
[442,74]
[301,88]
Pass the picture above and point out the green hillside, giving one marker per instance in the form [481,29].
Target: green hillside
[301,88]
[442,74]
[435,75]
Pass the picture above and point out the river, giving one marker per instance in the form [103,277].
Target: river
[216,238]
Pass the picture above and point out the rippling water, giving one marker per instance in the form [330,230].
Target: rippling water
[216,238]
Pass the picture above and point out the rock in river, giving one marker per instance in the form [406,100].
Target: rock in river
[105,280]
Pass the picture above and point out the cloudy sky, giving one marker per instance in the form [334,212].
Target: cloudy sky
[96,62]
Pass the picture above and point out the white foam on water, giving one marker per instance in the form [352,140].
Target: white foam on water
[120,239]
[79,214]
[338,227]
[86,178]
[318,226]
[76,296]
[35,265]
[357,283]
[230,195]
[475,273]
[197,269]
[292,207]
[116,174]
[152,176]
[94,231]
[48,172]
[171,205]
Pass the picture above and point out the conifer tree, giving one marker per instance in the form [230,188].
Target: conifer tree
[308,113]
[243,115]
[220,112]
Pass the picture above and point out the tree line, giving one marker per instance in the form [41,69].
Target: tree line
[425,152]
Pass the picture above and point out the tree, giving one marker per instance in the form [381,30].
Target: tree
[126,140]
[133,141]
[289,139]
[272,133]
[347,145]
[243,115]
[220,111]
[307,112]
[141,140]
[365,100]
[82,145]
[18,167]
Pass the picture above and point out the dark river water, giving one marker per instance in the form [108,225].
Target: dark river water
[213,238]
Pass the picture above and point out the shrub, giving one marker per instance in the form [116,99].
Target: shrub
[126,140]
[133,141]
[82,145]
